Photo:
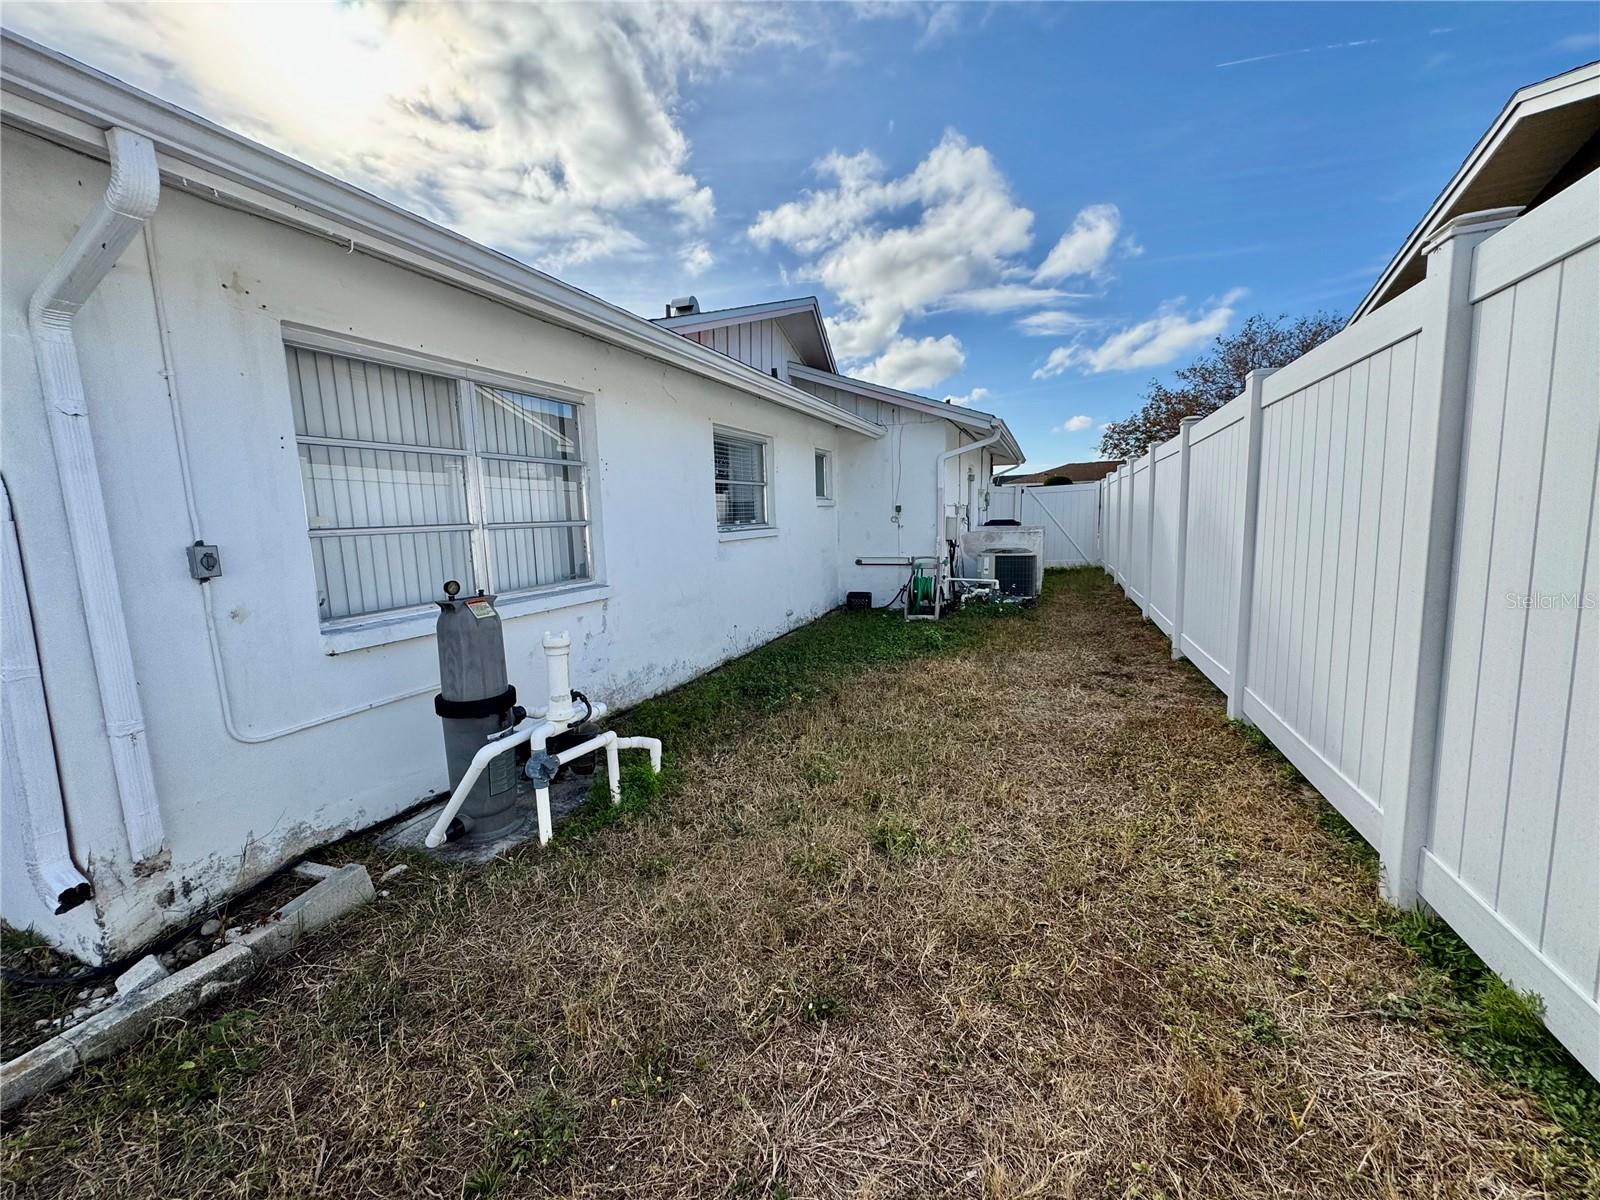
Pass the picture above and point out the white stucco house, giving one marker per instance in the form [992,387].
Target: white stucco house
[253,417]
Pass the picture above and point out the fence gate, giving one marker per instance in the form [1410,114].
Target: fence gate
[1068,513]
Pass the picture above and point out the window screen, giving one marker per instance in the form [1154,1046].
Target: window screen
[741,480]
[408,484]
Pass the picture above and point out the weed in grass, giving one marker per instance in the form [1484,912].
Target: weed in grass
[815,865]
[820,769]
[195,1065]
[371,1004]
[1262,1027]
[538,1132]
[655,868]
[651,1076]
[823,1006]
[896,838]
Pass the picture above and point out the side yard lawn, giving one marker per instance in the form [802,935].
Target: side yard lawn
[1001,907]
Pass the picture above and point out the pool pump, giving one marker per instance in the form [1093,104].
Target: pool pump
[487,733]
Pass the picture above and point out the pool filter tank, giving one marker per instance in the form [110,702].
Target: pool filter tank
[475,703]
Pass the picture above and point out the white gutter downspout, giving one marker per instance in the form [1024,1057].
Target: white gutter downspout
[938,513]
[32,785]
[116,220]
[938,517]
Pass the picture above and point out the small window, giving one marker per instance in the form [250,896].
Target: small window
[413,478]
[824,467]
[741,480]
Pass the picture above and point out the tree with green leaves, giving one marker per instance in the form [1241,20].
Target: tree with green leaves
[1216,377]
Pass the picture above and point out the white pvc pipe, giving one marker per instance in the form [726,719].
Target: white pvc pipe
[938,516]
[526,731]
[557,649]
[644,743]
[130,200]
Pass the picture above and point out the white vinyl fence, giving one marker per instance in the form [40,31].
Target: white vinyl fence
[1068,513]
[1385,555]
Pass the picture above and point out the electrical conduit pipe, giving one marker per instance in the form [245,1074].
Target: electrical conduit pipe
[130,200]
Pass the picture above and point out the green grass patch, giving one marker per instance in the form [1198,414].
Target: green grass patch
[538,1132]
[194,1067]
[896,838]
[25,1004]
[800,666]
[1263,745]
[1493,1025]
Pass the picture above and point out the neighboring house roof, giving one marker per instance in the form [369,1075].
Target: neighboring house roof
[66,102]
[800,319]
[967,418]
[1546,138]
[1082,472]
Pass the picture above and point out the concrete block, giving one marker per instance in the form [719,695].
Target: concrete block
[132,1017]
[272,940]
[347,888]
[314,870]
[142,974]
[38,1070]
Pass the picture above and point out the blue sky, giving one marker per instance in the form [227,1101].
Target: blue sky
[1034,208]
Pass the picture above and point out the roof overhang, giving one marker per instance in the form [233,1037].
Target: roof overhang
[1537,132]
[800,319]
[956,414]
[73,105]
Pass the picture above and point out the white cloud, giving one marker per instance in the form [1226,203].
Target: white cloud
[695,257]
[913,364]
[976,396]
[1151,343]
[550,132]
[963,235]
[1073,425]
[1052,322]
[1003,297]
[1085,248]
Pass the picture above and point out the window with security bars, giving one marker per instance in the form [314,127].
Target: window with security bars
[413,478]
[741,480]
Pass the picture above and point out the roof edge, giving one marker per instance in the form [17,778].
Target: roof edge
[1584,78]
[971,418]
[717,318]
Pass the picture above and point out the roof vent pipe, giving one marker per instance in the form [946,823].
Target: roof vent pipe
[129,201]
[683,306]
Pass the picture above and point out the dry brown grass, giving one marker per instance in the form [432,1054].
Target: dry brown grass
[1026,920]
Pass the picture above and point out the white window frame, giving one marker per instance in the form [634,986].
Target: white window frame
[825,497]
[375,628]
[769,525]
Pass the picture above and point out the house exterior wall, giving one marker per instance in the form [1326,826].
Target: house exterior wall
[899,469]
[254,763]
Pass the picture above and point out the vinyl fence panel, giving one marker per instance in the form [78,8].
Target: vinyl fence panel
[1386,555]
[1513,852]
[1218,445]
[1166,467]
